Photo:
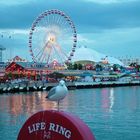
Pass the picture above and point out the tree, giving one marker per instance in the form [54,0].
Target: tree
[115,67]
[98,67]
[70,66]
[133,65]
[75,66]
[79,66]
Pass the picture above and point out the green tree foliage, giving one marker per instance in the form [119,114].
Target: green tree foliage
[70,66]
[75,66]
[80,66]
[98,67]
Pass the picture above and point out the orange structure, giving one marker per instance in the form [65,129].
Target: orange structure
[25,69]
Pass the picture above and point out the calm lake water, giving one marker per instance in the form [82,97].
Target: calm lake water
[111,113]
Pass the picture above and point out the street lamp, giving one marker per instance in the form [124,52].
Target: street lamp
[1,50]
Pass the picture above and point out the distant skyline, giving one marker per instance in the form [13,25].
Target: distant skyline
[111,27]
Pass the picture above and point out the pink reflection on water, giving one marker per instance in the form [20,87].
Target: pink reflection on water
[105,99]
[19,104]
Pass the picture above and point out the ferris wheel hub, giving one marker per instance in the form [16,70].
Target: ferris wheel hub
[52,38]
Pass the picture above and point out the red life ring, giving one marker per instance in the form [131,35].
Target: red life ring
[55,125]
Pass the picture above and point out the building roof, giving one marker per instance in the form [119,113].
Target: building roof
[25,65]
[17,59]
[113,60]
[87,54]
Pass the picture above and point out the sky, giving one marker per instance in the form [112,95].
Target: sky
[111,27]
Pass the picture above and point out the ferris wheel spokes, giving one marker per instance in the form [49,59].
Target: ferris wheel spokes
[40,52]
[55,29]
[49,54]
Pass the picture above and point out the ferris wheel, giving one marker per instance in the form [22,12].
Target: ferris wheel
[52,37]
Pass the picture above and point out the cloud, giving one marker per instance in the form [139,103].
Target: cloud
[84,39]
[115,42]
[14,2]
[12,32]
[87,16]
[109,1]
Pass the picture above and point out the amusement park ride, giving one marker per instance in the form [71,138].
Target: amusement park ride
[46,43]
[52,37]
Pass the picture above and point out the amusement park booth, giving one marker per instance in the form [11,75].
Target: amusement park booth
[25,69]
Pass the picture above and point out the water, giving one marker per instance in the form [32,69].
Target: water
[111,113]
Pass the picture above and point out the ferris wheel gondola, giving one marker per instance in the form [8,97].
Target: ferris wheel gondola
[52,36]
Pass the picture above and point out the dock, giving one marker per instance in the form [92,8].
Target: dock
[41,86]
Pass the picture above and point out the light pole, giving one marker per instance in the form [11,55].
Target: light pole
[1,50]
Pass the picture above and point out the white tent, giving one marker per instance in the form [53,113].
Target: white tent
[87,54]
